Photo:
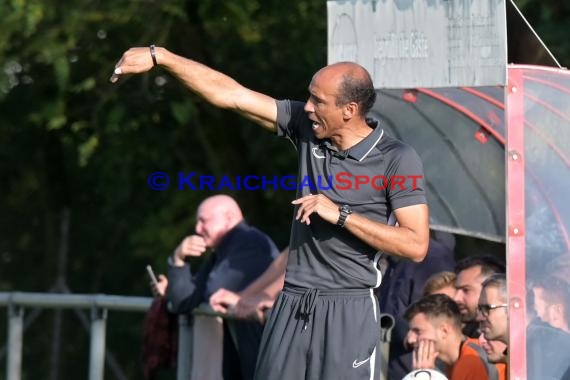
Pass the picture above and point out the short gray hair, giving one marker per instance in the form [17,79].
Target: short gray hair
[499,281]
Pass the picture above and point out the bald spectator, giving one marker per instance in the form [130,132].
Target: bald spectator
[471,272]
[441,283]
[239,253]
[435,333]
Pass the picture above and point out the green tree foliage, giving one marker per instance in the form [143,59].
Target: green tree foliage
[550,19]
[73,144]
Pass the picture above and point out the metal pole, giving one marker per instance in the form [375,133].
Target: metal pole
[184,361]
[56,345]
[387,323]
[97,351]
[15,339]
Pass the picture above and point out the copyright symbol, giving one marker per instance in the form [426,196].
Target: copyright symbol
[158,181]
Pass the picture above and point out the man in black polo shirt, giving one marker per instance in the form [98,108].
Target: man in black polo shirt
[325,322]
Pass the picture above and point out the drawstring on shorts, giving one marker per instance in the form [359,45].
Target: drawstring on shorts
[307,305]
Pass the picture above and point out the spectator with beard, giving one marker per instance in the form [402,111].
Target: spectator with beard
[471,272]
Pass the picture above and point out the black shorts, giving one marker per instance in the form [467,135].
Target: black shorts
[321,334]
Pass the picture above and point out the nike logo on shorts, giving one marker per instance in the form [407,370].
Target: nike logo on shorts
[356,364]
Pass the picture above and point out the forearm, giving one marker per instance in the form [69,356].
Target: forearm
[271,281]
[181,290]
[219,89]
[396,240]
[215,87]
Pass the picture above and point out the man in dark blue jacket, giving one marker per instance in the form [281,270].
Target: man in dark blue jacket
[239,254]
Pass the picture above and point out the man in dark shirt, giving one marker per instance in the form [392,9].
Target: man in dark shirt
[360,193]
[239,254]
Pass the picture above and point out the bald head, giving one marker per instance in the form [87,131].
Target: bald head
[353,83]
[223,204]
[216,216]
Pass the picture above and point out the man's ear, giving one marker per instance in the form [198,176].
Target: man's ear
[350,110]
[443,329]
[230,217]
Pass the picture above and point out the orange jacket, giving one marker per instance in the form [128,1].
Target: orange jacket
[472,364]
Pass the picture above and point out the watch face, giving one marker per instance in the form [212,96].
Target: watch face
[346,209]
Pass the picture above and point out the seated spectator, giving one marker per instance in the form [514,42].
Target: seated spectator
[548,340]
[435,333]
[547,351]
[471,272]
[494,320]
[551,301]
[493,309]
[403,283]
[496,353]
[441,283]
[239,254]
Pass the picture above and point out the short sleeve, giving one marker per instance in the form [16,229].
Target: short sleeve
[406,178]
[292,121]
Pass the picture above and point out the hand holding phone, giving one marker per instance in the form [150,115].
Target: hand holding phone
[151,275]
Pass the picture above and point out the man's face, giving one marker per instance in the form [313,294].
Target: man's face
[421,328]
[212,224]
[468,288]
[321,106]
[551,313]
[540,305]
[495,349]
[495,324]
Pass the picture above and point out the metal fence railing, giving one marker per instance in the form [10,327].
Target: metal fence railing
[17,302]
[98,305]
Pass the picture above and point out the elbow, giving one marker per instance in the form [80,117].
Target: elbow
[419,253]
[180,303]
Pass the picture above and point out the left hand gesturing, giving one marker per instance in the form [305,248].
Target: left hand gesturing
[318,204]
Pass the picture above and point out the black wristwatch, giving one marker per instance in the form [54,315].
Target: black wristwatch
[345,211]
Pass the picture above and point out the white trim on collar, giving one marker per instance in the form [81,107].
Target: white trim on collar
[373,145]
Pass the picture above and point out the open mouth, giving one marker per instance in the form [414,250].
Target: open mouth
[315,125]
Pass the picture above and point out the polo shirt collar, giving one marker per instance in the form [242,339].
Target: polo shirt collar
[364,147]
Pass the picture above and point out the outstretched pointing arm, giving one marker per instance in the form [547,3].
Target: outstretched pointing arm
[218,89]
